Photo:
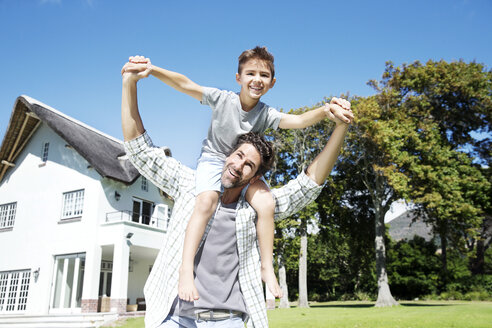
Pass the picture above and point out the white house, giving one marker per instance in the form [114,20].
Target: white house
[77,221]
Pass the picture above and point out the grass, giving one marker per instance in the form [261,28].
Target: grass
[431,314]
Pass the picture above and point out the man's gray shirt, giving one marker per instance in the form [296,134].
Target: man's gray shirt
[216,268]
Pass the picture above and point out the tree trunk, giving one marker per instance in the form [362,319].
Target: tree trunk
[384,294]
[284,300]
[444,258]
[282,275]
[303,295]
[443,233]
[477,265]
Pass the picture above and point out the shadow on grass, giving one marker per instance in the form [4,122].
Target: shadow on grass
[430,304]
[369,305]
[341,305]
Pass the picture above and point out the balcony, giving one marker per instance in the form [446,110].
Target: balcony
[156,220]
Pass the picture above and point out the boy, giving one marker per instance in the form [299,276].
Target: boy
[235,114]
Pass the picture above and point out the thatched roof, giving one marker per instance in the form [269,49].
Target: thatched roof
[104,153]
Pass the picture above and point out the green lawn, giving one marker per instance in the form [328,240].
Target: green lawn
[364,315]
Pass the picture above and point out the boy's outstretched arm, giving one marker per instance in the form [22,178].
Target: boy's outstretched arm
[176,80]
[342,112]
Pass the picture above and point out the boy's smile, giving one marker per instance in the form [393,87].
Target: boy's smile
[255,80]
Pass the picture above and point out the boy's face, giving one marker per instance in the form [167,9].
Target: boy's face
[255,79]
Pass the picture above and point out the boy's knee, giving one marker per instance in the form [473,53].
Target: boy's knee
[206,202]
[260,198]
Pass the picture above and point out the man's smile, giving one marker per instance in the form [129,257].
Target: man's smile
[232,173]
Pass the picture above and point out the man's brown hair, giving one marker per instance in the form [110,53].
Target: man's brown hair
[264,147]
[257,53]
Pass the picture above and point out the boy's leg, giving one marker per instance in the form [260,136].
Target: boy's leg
[261,199]
[205,205]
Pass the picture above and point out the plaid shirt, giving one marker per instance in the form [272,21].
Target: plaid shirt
[178,181]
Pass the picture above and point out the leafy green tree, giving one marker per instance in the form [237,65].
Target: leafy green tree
[296,149]
[367,189]
[413,268]
[428,116]
[347,230]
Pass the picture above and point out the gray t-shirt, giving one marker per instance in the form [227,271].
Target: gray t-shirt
[216,268]
[229,120]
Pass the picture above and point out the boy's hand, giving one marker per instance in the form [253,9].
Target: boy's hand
[139,59]
[339,110]
[345,104]
[138,67]
[186,286]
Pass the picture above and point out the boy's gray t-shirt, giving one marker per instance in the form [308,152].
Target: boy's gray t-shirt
[229,121]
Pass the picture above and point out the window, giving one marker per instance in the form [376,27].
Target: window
[145,185]
[14,289]
[73,203]
[7,215]
[46,147]
[160,217]
[68,281]
[142,211]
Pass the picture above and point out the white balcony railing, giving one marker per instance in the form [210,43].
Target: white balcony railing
[153,221]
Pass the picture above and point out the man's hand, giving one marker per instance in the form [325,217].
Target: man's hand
[338,111]
[138,67]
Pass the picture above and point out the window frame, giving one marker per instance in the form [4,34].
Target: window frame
[14,297]
[7,215]
[76,204]
[145,184]
[45,152]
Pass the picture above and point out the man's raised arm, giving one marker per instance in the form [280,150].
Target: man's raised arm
[164,172]
[301,191]
[131,122]
[321,166]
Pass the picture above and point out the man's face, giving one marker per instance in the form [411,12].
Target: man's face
[255,78]
[240,167]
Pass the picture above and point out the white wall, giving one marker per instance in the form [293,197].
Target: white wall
[38,233]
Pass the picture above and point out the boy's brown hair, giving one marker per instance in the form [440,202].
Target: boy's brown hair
[257,53]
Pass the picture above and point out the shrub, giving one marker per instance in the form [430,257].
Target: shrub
[477,296]
[451,295]
[347,297]
[361,296]
[431,297]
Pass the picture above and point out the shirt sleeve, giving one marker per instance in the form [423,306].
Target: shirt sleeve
[165,172]
[295,195]
[273,118]
[211,96]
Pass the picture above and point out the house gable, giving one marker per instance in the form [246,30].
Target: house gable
[107,158]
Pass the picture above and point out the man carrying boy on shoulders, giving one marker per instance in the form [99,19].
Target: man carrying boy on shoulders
[228,275]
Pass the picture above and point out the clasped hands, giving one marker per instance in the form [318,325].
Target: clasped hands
[138,65]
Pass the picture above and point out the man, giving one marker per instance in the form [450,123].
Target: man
[225,303]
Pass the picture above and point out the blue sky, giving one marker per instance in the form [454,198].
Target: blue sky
[68,53]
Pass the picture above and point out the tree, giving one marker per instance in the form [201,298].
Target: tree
[297,148]
[414,267]
[430,114]
[361,164]
[347,234]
